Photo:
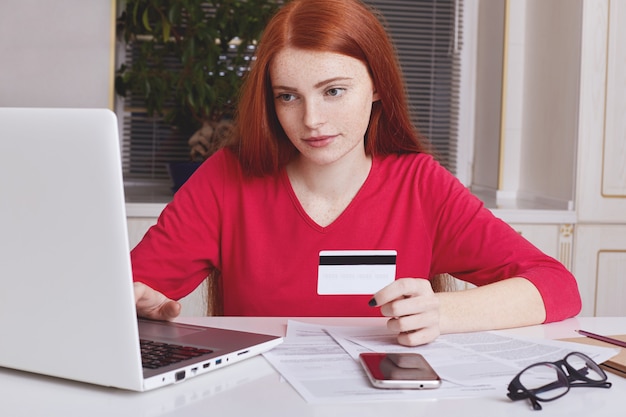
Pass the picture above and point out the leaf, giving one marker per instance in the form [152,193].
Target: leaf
[173,14]
[166,29]
[183,67]
[135,10]
[145,19]
[147,87]
[190,100]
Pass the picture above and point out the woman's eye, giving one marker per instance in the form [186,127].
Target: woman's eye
[335,92]
[286,97]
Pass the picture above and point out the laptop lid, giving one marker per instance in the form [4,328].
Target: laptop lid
[66,298]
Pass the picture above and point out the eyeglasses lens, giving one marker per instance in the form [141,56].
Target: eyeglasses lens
[545,381]
[585,367]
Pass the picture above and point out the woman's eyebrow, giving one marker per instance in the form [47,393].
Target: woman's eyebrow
[283,87]
[332,80]
[317,85]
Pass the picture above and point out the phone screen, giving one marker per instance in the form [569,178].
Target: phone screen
[399,370]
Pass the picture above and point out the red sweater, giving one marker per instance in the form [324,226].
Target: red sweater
[255,231]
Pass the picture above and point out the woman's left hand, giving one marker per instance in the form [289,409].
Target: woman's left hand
[413,308]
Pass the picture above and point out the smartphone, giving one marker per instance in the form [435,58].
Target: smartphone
[399,370]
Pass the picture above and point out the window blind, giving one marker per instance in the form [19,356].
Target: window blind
[427,36]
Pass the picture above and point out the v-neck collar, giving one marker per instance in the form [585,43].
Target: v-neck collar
[312,223]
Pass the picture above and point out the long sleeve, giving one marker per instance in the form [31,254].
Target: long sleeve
[255,231]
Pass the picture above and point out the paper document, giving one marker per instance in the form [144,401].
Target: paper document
[320,362]
[470,358]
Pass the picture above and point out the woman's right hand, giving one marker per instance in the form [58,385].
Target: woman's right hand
[151,304]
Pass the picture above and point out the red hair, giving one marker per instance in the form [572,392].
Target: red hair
[346,27]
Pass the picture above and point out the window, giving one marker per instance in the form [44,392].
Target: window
[428,35]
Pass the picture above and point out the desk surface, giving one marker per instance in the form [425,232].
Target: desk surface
[253,388]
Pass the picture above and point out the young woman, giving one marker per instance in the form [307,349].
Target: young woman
[326,158]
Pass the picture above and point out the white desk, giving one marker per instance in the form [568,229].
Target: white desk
[253,388]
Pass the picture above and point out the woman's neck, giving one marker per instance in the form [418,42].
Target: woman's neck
[325,191]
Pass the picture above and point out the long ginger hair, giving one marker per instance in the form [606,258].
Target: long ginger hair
[346,27]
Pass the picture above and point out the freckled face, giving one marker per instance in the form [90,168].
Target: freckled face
[323,102]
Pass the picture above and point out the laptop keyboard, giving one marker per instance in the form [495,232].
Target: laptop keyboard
[158,354]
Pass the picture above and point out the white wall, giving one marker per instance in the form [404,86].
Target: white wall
[550,100]
[527,86]
[56,53]
[490,45]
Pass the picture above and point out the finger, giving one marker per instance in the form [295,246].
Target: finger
[401,288]
[170,310]
[415,319]
[410,305]
[417,329]
[153,304]
[139,289]
[418,337]
[167,310]
[413,322]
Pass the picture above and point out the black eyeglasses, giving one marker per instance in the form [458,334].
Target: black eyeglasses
[547,381]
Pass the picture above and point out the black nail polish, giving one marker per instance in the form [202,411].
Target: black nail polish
[372,302]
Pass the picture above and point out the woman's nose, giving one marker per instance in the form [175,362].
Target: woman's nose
[313,114]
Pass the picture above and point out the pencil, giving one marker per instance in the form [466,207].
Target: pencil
[602,338]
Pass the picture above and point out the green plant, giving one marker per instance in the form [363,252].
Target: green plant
[189,57]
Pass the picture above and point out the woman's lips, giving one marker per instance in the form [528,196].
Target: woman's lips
[319,141]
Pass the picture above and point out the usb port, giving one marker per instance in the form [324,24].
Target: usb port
[218,361]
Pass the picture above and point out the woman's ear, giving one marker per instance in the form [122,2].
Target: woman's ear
[375,97]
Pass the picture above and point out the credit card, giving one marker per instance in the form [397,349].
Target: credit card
[357,272]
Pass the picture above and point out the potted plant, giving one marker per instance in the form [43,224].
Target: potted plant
[189,57]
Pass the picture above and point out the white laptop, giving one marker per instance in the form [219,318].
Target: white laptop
[66,296]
